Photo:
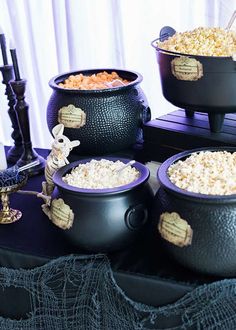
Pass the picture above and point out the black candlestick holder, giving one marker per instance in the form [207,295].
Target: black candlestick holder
[22,109]
[15,152]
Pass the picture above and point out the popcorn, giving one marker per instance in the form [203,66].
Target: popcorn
[204,41]
[101,174]
[206,172]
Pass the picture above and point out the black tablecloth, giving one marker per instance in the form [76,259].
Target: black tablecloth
[143,270]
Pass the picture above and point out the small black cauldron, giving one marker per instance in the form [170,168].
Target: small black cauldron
[104,121]
[198,230]
[197,83]
[106,220]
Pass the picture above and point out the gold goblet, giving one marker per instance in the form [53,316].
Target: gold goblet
[7,214]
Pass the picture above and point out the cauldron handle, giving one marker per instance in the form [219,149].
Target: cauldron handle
[145,113]
[165,33]
[136,216]
[154,42]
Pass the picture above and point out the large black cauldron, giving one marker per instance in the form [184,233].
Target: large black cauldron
[105,120]
[106,219]
[210,220]
[197,83]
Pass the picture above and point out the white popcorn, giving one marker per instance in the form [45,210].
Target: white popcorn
[101,174]
[206,172]
[214,41]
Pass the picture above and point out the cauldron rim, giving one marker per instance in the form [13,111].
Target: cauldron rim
[57,178]
[53,82]
[168,52]
[184,194]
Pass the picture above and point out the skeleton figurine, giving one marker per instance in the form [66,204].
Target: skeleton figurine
[61,148]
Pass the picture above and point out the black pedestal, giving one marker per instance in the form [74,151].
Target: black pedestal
[176,132]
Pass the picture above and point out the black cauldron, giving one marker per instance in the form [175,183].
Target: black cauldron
[104,121]
[106,220]
[198,230]
[197,83]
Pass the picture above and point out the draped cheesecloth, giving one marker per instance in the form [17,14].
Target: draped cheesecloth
[79,292]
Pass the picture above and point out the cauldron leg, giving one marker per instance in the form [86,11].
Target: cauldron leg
[189,113]
[216,121]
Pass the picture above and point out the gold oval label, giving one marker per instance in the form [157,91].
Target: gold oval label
[174,229]
[72,117]
[186,68]
[61,214]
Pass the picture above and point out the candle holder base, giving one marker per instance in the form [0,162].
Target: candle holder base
[14,154]
[29,154]
[9,216]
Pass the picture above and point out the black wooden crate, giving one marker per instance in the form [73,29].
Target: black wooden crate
[175,132]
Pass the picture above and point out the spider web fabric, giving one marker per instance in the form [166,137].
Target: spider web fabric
[79,292]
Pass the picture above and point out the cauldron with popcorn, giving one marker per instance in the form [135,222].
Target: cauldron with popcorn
[198,71]
[102,214]
[195,209]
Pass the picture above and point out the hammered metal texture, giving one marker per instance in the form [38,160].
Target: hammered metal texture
[113,118]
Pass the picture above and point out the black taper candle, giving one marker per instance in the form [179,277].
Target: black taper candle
[3,47]
[15,62]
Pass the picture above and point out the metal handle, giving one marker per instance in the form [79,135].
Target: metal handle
[165,33]
[153,43]
[136,216]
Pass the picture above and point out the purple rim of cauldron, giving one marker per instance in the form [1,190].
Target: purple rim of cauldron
[57,178]
[135,77]
[181,193]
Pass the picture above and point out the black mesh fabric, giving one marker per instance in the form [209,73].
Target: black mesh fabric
[79,292]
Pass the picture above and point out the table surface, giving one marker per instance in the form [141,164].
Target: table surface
[33,240]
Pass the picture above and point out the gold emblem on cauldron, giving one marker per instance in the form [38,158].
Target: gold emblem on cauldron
[186,68]
[174,229]
[71,117]
[61,214]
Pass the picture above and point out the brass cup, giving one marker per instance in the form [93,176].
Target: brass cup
[7,214]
